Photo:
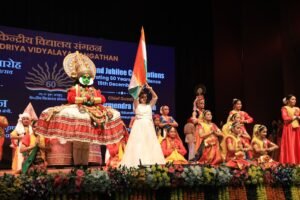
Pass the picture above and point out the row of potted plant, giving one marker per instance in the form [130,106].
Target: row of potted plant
[39,184]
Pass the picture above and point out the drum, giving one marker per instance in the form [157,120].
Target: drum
[60,154]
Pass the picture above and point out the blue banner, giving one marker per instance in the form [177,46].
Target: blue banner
[31,71]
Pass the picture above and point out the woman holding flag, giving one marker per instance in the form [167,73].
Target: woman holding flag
[143,147]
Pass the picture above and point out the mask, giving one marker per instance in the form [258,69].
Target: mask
[86,80]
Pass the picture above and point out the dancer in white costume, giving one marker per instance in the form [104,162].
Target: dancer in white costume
[143,146]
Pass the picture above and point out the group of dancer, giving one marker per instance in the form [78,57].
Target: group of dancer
[233,145]
[208,144]
[153,139]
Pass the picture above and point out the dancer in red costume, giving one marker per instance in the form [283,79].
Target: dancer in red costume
[173,148]
[209,151]
[245,118]
[234,149]
[237,108]
[245,137]
[84,120]
[290,141]
[262,146]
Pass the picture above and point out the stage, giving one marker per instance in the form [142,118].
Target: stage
[154,182]
[50,170]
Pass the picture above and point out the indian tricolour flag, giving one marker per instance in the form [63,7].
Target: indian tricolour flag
[139,74]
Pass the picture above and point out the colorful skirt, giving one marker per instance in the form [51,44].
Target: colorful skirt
[74,124]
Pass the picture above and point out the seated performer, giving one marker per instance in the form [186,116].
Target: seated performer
[33,148]
[116,151]
[234,149]
[245,118]
[262,146]
[173,148]
[235,117]
[84,120]
[3,125]
[209,151]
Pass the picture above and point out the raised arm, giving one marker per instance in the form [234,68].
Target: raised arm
[154,95]
[135,103]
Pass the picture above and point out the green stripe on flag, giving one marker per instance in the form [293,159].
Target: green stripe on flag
[134,92]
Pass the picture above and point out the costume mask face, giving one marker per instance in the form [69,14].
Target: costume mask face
[86,80]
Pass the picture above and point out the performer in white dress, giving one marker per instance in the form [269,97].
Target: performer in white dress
[143,146]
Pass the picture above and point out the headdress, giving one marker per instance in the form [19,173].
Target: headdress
[235,100]
[200,90]
[284,101]
[233,116]
[234,124]
[77,64]
[20,127]
[206,111]
[161,109]
[177,135]
[30,110]
[257,128]
[156,116]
